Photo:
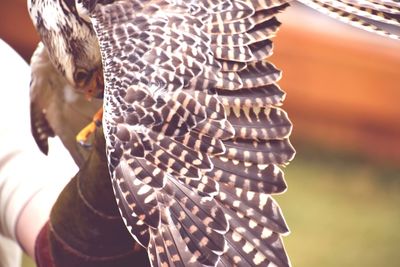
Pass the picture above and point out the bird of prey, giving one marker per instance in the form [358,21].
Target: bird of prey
[195,136]
[56,108]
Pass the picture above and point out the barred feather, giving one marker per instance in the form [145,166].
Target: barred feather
[40,127]
[256,123]
[204,100]
[202,142]
[357,13]
[262,96]
[248,176]
[195,137]
[368,13]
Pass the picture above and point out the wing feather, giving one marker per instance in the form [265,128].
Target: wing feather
[360,13]
[195,136]
[190,118]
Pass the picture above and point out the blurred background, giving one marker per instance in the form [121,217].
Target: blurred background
[343,94]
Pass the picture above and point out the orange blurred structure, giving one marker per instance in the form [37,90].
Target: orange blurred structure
[16,27]
[343,84]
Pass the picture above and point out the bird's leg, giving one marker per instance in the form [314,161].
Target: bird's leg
[85,133]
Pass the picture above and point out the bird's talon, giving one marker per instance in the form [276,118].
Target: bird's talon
[85,144]
[83,136]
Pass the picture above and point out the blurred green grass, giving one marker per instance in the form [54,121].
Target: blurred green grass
[27,262]
[342,210]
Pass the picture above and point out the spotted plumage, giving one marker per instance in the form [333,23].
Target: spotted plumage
[196,138]
[363,14]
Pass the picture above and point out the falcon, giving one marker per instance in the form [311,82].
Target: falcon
[195,135]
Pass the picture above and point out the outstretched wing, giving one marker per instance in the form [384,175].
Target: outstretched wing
[378,16]
[195,136]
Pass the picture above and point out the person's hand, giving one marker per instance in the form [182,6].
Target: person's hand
[85,227]
[29,181]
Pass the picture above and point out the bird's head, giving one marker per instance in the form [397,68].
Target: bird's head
[71,43]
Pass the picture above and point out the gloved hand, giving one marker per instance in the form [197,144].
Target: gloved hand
[85,227]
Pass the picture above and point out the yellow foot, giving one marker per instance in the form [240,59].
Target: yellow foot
[83,136]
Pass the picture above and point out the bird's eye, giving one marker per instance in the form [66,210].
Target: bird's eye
[81,76]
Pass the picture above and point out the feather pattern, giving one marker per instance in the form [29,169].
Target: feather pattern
[185,115]
[362,14]
[195,136]
[199,100]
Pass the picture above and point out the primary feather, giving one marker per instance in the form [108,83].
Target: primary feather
[195,137]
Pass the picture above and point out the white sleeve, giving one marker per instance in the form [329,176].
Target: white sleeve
[24,170]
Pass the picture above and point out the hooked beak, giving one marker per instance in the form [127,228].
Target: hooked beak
[95,86]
